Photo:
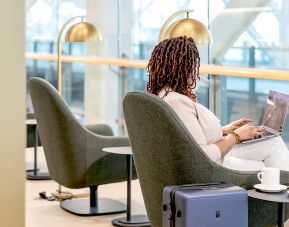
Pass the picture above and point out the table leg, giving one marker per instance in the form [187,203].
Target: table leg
[136,220]
[31,167]
[35,148]
[281,214]
[129,178]
[35,175]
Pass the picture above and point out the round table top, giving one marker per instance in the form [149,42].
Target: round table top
[31,122]
[118,150]
[280,197]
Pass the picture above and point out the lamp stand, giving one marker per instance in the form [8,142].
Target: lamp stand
[59,54]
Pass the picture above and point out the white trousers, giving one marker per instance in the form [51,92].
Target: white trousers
[271,152]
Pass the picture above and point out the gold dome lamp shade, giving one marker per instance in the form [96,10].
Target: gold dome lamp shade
[82,31]
[185,27]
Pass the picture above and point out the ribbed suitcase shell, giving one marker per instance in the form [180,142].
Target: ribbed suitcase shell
[213,207]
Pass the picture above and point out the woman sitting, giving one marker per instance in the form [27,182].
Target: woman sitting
[173,73]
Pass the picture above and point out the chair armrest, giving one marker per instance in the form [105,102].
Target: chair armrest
[95,144]
[100,129]
[245,179]
[107,167]
[116,141]
[284,177]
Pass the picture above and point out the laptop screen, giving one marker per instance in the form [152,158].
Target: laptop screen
[275,110]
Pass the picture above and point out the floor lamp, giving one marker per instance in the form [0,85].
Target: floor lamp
[78,32]
[82,31]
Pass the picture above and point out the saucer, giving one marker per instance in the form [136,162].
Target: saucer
[273,188]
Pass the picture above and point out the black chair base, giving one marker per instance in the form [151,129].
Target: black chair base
[37,176]
[82,207]
[135,221]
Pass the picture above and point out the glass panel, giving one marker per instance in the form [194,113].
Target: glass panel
[255,34]
[239,39]
[44,18]
[131,32]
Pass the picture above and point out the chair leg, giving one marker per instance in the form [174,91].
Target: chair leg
[93,206]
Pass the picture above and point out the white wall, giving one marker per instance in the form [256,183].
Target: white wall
[100,82]
[102,95]
[12,110]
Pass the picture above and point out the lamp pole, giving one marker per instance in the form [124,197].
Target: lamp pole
[92,32]
[59,54]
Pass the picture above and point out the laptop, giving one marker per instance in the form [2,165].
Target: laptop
[273,117]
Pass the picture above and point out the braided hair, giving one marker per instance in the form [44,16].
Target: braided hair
[174,65]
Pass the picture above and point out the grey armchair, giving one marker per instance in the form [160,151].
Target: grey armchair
[74,153]
[165,153]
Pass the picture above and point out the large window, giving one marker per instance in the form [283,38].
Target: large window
[44,19]
[245,33]
[255,34]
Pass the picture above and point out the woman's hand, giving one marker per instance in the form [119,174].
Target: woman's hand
[235,124]
[249,131]
[246,131]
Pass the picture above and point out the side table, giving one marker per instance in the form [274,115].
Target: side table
[34,174]
[129,220]
[281,198]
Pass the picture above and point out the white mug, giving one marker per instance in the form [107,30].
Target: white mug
[269,176]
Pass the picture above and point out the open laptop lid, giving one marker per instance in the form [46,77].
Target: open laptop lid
[275,111]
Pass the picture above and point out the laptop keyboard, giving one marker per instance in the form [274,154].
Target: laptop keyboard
[267,133]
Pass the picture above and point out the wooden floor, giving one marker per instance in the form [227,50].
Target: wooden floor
[45,213]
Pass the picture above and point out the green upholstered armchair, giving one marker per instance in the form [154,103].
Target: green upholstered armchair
[165,153]
[74,153]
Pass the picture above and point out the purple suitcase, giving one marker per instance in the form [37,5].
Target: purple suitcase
[205,205]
